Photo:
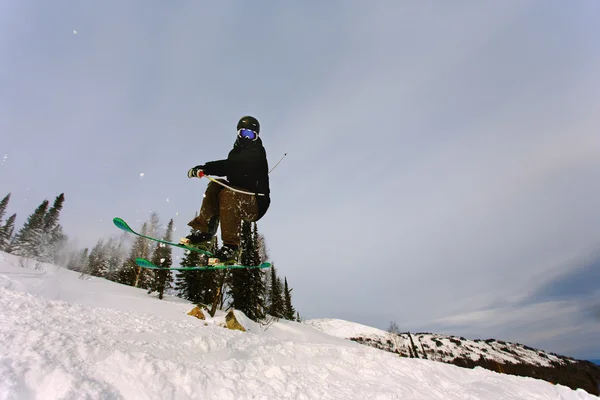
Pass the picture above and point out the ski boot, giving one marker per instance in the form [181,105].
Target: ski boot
[197,240]
[226,255]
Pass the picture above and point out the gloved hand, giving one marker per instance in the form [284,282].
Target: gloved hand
[196,172]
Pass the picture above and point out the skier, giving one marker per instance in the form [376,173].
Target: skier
[247,198]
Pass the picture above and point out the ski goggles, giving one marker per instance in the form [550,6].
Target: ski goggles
[247,134]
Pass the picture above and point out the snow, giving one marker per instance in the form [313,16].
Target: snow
[345,329]
[67,336]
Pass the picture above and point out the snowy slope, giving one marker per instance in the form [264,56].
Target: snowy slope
[437,347]
[62,337]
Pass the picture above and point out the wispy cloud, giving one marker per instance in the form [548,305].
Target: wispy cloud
[441,157]
[560,309]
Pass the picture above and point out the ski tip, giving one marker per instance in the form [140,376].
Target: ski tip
[119,223]
[142,262]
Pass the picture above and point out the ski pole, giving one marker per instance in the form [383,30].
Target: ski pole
[201,175]
[277,163]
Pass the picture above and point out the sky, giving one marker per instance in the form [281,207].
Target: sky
[442,158]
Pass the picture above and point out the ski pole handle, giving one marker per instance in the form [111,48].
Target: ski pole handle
[195,172]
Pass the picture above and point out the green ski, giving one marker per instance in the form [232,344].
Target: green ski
[142,262]
[119,223]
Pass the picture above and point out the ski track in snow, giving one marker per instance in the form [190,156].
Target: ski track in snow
[60,349]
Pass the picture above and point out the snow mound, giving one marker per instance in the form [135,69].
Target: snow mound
[344,329]
[247,323]
[62,337]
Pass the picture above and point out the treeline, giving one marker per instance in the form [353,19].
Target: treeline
[575,374]
[256,292]
[40,238]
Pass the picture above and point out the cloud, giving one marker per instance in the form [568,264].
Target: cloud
[577,281]
[547,325]
[441,158]
[561,309]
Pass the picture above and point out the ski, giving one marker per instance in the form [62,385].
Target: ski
[142,262]
[119,223]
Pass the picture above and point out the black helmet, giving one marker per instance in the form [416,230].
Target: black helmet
[249,122]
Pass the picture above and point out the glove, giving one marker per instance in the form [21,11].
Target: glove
[196,172]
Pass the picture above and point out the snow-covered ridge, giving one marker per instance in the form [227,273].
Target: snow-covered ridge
[438,347]
[68,336]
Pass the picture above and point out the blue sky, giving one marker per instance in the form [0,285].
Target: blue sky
[443,158]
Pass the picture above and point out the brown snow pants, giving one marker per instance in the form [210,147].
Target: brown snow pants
[228,207]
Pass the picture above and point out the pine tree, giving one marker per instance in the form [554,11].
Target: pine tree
[220,281]
[211,282]
[288,309]
[199,287]
[187,283]
[6,232]
[130,273]
[255,248]
[154,225]
[154,230]
[98,261]
[276,307]
[79,262]
[267,279]
[162,258]
[56,243]
[116,253]
[261,246]
[3,205]
[52,239]
[84,259]
[144,276]
[26,242]
[247,288]
[51,217]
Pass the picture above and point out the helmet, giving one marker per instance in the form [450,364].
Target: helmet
[249,122]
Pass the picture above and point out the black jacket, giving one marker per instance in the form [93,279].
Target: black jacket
[246,168]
